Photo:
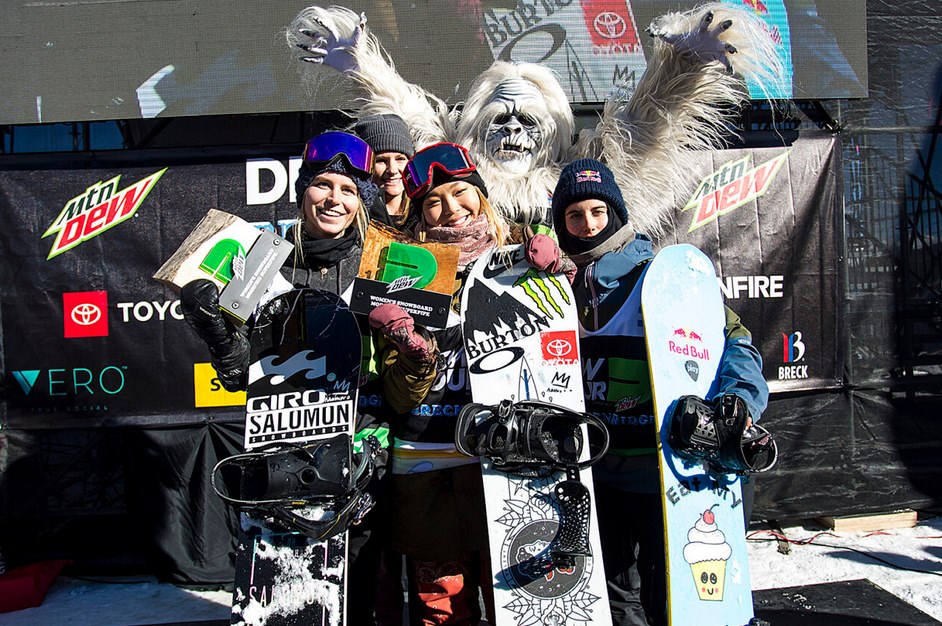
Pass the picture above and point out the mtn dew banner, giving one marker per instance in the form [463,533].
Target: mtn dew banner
[88,336]
[768,218]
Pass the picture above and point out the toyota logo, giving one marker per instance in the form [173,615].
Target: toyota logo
[85,314]
[610,25]
[559,348]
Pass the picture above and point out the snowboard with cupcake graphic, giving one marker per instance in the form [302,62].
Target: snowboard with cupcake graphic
[707,562]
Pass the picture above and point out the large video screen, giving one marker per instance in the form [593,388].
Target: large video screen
[92,60]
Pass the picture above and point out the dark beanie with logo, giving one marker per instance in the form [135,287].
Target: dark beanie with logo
[585,179]
[385,132]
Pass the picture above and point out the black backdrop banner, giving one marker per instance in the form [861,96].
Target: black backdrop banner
[89,338]
[768,217]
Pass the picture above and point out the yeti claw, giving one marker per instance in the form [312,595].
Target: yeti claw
[702,43]
[325,46]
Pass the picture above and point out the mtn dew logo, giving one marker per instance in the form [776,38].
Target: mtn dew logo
[730,187]
[225,261]
[101,207]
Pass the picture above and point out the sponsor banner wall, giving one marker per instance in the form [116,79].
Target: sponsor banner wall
[768,218]
[88,336]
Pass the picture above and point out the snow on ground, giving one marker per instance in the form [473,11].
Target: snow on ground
[831,557]
[835,557]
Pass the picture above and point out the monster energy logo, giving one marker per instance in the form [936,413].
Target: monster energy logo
[543,289]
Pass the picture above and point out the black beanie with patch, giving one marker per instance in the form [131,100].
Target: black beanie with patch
[586,179]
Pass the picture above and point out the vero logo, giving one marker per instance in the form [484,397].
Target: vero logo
[85,314]
[26,379]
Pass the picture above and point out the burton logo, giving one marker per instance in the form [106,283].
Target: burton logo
[101,207]
[730,187]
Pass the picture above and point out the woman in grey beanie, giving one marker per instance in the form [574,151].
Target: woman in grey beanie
[388,136]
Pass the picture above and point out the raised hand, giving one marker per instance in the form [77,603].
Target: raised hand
[702,42]
[323,41]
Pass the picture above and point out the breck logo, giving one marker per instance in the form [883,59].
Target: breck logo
[730,187]
[85,314]
[793,351]
[98,209]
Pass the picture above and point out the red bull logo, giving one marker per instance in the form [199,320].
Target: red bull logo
[756,5]
[588,176]
[688,348]
[688,334]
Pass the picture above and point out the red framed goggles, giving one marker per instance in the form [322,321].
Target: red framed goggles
[448,157]
[327,146]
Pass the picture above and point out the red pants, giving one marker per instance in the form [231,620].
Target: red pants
[446,592]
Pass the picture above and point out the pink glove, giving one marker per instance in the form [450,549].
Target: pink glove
[394,322]
[543,253]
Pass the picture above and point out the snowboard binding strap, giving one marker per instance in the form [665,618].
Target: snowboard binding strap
[529,438]
[575,512]
[718,436]
[281,479]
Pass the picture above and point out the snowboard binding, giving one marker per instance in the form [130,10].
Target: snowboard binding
[529,439]
[533,439]
[280,480]
[718,436]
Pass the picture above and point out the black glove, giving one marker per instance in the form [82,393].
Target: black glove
[228,348]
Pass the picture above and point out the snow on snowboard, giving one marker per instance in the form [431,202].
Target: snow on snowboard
[298,479]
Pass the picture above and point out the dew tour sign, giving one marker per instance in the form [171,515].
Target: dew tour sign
[419,277]
[101,207]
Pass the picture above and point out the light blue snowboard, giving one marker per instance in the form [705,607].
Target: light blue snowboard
[707,562]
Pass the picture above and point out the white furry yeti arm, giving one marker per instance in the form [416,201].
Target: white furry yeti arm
[339,38]
[683,102]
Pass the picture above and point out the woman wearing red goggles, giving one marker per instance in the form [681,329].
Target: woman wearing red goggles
[438,518]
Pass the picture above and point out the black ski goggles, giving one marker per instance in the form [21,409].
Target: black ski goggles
[448,157]
[328,146]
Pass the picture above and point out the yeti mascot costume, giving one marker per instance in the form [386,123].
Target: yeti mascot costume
[518,125]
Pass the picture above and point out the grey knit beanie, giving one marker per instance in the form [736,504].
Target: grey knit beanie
[386,132]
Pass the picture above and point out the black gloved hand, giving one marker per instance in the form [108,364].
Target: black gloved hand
[228,348]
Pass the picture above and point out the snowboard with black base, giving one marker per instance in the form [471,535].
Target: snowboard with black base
[299,484]
[705,449]
[527,424]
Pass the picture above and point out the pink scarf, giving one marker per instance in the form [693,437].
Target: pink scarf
[474,239]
